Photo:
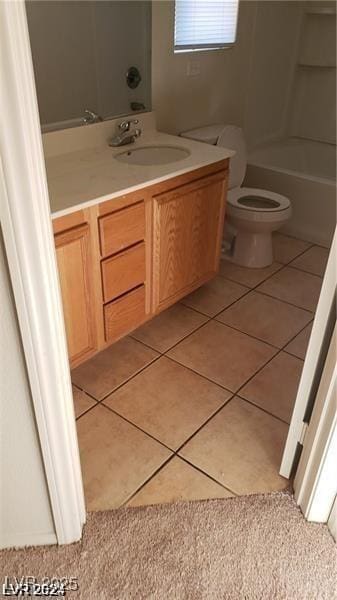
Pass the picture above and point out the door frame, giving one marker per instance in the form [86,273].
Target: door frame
[29,245]
[315,482]
[313,363]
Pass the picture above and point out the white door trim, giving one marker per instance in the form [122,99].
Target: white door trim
[315,483]
[27,232]
[332,522]
[325,303]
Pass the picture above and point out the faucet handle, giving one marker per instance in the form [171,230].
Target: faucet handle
[125,125]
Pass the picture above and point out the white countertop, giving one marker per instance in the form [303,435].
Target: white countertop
[86,177]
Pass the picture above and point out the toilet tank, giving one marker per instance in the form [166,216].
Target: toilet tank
[208,135]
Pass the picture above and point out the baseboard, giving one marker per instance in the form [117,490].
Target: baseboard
[306,234]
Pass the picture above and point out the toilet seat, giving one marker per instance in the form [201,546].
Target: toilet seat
[252,214]
[278,204]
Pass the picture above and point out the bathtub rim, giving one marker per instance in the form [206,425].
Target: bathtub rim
[325,180]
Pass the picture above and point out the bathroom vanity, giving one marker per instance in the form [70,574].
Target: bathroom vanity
[125,256]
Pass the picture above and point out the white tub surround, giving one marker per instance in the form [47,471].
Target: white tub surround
[305,172]
[82,169]
[308,158]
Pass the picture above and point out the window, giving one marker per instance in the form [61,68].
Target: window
[205,24]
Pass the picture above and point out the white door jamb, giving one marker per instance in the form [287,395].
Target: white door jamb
[27,232]
[315,483]
[312,360]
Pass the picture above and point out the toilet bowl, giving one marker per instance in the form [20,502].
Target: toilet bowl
[252,214]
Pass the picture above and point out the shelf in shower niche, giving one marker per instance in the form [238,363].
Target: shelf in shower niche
[315,66]
[321,12]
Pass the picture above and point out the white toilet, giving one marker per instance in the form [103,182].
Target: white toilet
[253,213]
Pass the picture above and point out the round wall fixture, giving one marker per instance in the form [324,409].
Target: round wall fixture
[133,77]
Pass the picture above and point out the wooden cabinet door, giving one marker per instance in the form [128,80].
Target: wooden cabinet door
[75,273]
[188,224]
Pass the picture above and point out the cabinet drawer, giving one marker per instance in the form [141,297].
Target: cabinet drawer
[125,314]
[123,272]
[122,229]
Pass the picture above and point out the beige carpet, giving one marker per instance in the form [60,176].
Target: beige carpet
[246,548]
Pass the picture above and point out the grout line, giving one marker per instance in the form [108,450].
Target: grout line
[237,393]
[234,394]
[144,343]
[220,385]
[267,412]
[312,312]
[186,460]
[205,423]
[279,350]
[225,307]
[162,352]
[175,451]
[86,411]
[186,336]
[311,245]
[254,337]
[282,266]
[259,370]
[175,455]
[257,291]
[127,380]
[202,325]
[137,427]
[133,494]
[291,266]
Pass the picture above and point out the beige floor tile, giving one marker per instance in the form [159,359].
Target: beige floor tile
[313,261]
[82,401]
[116,458]
[225,356]
[294,286]
[241,447]
[168,328]
[266,318]
[245,275]
[101,374]
[214,296]
[274,388]
[178,481]
[298,346]
[168,401]
[286,248]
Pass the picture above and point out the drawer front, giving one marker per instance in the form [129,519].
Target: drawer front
[125,314]
[122,229]
[123,272]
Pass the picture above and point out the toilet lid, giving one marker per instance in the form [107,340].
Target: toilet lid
[232,137]
[257,200]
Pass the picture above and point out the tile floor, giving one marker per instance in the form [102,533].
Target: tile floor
[196,403]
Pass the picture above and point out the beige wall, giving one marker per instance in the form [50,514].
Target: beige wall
[256,84]
[217,93]
[25,515]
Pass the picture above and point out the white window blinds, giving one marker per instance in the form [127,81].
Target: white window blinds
[202,24]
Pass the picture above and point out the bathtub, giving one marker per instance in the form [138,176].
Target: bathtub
[305,172]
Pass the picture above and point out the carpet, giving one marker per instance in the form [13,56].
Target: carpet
[255,547]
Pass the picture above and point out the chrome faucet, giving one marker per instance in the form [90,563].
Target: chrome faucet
[91,117]
[127,134]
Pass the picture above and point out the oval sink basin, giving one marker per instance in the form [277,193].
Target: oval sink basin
[153,155]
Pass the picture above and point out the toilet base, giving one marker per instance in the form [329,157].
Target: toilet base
[254,250]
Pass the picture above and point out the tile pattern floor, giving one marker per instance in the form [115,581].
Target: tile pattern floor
[196,403]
